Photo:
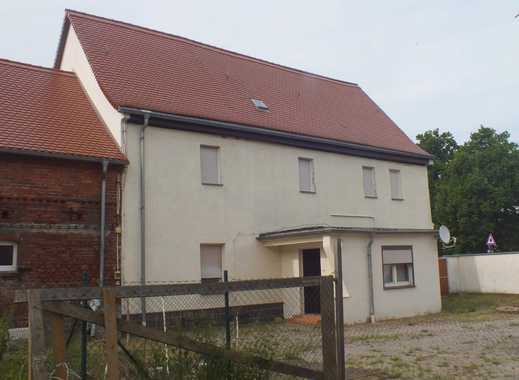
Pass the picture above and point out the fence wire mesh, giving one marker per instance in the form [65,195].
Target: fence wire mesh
[280,324]
[269,323]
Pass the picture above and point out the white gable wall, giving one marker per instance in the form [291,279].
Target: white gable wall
[74,59]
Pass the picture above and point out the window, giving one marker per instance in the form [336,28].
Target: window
[398,267]
[370,186]
[260,105]
[211,262]
[396,184]
[7,256]
[306,175]
[209,165]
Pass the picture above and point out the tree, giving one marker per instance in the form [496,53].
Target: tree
[479,192]
[442,146]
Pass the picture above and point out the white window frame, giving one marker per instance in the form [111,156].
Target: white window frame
[312,189]
[373,171]
[395,284]
[218,181]
[14,266]
[211,279]
[398,173]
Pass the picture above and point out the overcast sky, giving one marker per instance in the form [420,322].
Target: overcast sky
[442,64]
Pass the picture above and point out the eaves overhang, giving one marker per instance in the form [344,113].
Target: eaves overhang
[62,156]
[201,125]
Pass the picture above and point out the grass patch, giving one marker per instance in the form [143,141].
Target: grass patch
[476,303]
[421,334]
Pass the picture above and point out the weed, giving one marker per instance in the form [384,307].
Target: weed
[422,334]
[374,338]
[13,365]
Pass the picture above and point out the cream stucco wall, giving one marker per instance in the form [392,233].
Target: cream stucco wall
[425,296]
[259,194]
[490,273]
[389,303]
[74,59]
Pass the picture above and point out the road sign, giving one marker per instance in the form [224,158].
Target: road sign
[491,242]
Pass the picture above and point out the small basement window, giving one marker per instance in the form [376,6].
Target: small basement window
[211,262]
[8,253]
[260,105]
[398,267]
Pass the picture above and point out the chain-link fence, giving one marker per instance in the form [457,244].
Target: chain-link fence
[258,329]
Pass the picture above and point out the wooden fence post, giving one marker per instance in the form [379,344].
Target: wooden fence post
[111,348]
[339,313]
[58,343]
[329,343]
[37,348]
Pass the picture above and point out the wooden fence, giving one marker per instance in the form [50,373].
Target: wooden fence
[444,276]
[51,302]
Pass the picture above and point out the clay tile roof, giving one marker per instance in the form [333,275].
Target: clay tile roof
[142,68]
[45,111]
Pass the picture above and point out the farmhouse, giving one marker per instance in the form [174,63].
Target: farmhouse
[243,165]
[55,156]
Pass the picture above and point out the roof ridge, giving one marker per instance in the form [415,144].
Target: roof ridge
[30,66]
[158,33]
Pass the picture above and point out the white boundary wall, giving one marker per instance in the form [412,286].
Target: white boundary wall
[484,273]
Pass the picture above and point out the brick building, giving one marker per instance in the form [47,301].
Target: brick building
[54,154]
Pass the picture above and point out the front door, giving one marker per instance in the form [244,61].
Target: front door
[312,267]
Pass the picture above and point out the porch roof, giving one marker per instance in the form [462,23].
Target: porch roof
[327,229]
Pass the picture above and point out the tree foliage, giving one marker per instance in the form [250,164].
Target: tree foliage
[442,146]
[475,188]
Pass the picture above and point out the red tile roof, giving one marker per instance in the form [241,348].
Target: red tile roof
[141,68]
[46,111]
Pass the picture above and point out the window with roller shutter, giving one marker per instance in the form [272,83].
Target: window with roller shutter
[211,262]
[210,165]
[396,185]
[369,183]
[398,270]
[306,175]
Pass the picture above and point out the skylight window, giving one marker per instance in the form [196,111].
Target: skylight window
[260,105]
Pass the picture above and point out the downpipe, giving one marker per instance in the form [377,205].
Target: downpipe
[142,206]
[102,224]
[370,278]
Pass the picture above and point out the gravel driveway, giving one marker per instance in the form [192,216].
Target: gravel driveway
[435,349]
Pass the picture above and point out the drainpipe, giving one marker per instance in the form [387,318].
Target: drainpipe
[370,277]
[142,185]
[102,225]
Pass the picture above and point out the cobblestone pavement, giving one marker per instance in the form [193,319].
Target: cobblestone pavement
[435,349]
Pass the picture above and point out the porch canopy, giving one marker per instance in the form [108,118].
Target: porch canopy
[315,234]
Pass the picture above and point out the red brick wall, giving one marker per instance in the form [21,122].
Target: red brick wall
[51,208]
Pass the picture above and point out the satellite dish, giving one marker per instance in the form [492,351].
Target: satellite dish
[445,234]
